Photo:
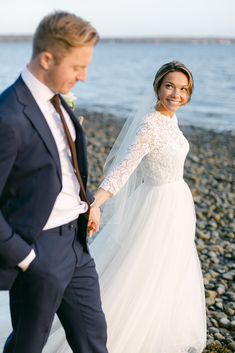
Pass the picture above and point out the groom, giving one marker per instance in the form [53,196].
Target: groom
[45,208]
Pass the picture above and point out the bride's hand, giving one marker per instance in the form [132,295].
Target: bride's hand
[93,221]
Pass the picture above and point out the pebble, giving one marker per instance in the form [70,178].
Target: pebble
[210,297]
[232,325]
[224,322]
[218,336]
[230,311]
[232,346]
[219,306]
[221,289]
[213,330]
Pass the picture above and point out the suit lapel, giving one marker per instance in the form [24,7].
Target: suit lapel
[34,114]
[72,116]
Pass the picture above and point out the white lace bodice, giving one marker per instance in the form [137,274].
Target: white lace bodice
[161,148]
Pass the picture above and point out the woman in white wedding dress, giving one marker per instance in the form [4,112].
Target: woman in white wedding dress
[150,275]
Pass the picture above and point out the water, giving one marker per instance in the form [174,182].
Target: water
[121,72]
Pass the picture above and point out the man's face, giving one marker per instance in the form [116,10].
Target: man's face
[61,78]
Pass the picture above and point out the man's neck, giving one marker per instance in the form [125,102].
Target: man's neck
[35,69]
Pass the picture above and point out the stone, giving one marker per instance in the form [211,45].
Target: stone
[230,311]
[213,330]
[229,275]
[232,346]
[224,322]
[220,289]
[210,297]
[219,305]
[232,325]
[218,336]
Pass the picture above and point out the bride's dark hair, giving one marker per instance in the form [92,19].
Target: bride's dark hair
[172,67]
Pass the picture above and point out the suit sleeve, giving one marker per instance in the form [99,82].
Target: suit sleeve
[13,249]
[90,196]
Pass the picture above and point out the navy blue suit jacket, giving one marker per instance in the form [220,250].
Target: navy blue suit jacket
[30,176]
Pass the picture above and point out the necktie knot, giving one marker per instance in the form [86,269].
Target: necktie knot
[55,101]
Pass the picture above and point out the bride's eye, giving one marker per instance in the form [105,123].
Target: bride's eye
[168,85]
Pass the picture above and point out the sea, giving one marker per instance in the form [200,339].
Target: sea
[122,72]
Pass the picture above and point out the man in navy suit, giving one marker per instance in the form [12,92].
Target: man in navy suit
[44,216]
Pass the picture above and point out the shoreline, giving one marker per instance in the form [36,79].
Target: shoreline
[224,40]
[209,170]
[117,120]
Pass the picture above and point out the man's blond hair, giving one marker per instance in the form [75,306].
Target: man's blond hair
[60,31]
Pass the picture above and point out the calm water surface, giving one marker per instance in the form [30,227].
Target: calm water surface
[121,73]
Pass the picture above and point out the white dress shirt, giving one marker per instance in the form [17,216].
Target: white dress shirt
[68,204]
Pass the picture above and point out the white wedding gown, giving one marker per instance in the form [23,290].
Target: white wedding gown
[150,275]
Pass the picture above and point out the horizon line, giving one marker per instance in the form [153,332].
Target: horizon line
[154,39]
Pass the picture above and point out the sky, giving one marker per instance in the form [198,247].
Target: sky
[128,18]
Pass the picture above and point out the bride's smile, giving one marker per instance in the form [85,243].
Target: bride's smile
[173,93]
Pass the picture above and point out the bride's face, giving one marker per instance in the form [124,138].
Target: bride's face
[173,93]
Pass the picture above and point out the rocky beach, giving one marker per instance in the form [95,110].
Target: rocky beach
[210,173]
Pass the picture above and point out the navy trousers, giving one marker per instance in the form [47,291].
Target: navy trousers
[63,280]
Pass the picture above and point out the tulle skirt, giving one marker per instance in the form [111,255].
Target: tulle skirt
[150,276]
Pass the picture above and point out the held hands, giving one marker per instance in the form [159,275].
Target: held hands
[101,196]
[93,221]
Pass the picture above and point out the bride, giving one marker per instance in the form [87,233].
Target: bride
[150,275]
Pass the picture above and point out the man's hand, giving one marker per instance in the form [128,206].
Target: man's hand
[23,265]
[93,221]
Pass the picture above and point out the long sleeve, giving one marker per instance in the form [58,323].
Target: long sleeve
[142,144]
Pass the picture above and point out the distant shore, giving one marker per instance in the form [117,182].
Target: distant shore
[209,171]
[14,38]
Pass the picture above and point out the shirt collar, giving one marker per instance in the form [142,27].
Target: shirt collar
[37,88]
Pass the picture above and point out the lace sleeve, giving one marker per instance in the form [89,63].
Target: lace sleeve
[141,146]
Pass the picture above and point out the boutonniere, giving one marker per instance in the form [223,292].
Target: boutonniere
[70,100]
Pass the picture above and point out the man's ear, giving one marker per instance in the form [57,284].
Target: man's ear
[46,60]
